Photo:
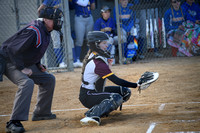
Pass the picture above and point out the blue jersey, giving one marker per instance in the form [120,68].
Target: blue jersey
[105,26]
[71,5]
[192,12]
[27,46]
[52,3]
[83,10]
[173,19]
[127,17]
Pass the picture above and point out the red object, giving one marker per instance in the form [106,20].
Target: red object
[160,30]
[174,51]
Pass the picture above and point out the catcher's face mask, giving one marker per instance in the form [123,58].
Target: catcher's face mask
[106,47]
[100,42]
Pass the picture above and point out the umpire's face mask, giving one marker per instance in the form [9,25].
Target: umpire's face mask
[58,23]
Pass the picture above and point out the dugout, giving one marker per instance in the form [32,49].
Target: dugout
[15,14]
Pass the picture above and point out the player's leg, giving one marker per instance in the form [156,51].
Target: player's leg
[100,104]
[46,84]
[89,25]
[79,31]
[22,101]
[125,92]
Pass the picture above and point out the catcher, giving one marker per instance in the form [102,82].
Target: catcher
[100,99]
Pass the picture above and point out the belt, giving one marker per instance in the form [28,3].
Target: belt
[86,89]
[84,16]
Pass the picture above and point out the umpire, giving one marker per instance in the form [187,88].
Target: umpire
[23,52]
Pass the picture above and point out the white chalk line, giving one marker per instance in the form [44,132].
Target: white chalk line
[161,107]
[68,109]
[160,104]
[186,132]
[179,121]
[182,112]
[151,127]
[137,105]
[153,124]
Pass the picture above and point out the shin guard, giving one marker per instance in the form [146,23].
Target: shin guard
[106,106]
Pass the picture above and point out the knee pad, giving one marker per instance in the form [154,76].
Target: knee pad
[116,99]
[126,93]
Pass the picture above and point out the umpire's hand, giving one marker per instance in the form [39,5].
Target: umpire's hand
[42,67]
[27,71]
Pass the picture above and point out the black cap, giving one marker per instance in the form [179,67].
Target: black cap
[105,8]
[54,14]
[51,13]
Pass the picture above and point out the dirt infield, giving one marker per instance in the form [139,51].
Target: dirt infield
[171,104]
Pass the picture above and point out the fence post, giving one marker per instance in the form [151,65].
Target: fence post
[17,14]
[118,31]
[38,3]
[67,36]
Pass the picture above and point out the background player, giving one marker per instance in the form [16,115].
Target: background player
[106,24]
[83,24]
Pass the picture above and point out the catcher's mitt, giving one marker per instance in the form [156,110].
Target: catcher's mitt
[146,79]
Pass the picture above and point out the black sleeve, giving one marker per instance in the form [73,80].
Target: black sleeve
[121,82]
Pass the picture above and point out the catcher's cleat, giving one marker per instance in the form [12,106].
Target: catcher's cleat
[92,121]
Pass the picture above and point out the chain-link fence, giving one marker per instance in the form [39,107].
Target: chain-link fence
[15,14]
[142,32]
[139,27]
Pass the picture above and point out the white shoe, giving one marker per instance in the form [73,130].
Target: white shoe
[75,64]
[63,65]
[78,64]
[95,121]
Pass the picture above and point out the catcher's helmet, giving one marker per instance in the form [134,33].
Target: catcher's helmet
[53,13]
[94,39]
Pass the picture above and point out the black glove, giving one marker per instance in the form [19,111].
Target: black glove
[146,79]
